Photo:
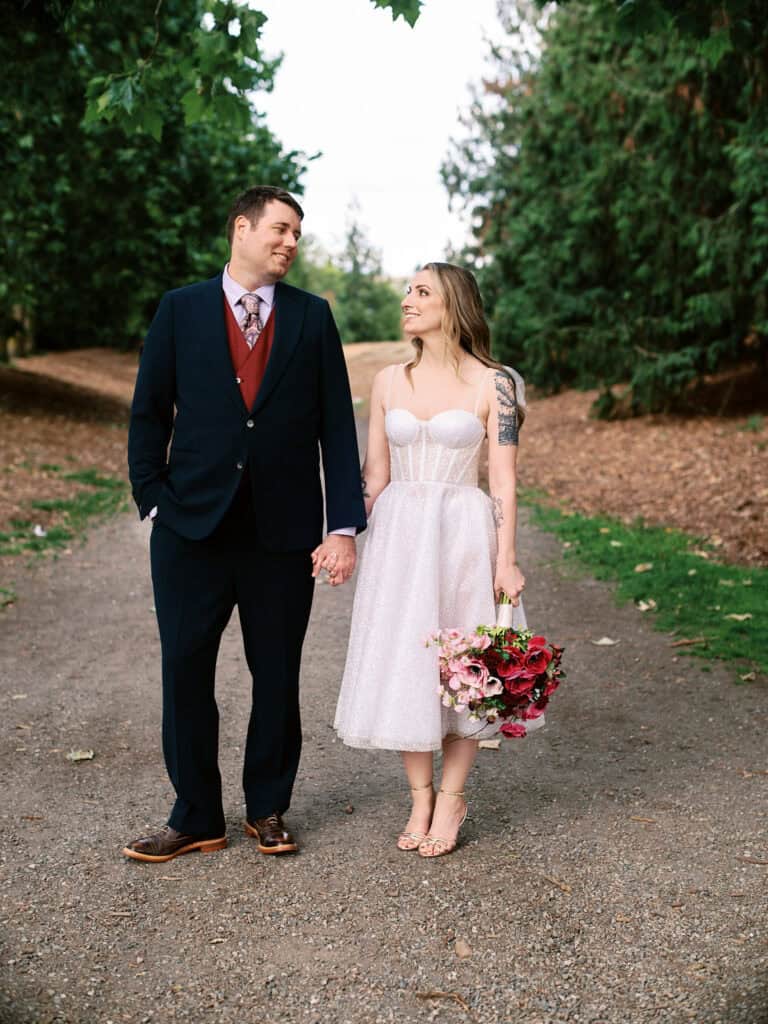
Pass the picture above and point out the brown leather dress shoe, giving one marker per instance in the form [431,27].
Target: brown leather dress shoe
[167,843]
[272,834]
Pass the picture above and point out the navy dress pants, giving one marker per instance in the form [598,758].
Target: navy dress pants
[197,584]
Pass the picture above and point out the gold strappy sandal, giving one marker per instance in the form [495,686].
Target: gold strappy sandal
[408,841]
[433,846]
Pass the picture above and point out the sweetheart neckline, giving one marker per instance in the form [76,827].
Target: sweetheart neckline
[421,419]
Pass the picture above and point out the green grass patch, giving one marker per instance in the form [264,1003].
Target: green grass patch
[754,424]
[100,497]
[723,607]
[7,597]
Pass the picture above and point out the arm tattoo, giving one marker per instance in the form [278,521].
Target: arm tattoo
[498,510]
[365,487]
[507,409]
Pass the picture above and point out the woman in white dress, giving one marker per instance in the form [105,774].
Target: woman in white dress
[439,550]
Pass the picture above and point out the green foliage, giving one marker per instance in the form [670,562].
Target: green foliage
[724,607]
[617,181]
[97,218]
[409,10]
[125,134]
[365,305]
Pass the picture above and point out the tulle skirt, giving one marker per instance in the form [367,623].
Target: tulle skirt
[428,564]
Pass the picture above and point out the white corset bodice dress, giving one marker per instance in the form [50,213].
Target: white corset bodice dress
[428,563]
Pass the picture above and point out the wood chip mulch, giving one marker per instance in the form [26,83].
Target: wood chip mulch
[706,475]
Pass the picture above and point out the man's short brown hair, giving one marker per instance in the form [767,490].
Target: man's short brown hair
[251,204]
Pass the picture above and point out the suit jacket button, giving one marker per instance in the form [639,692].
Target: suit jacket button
[238,380]
[249,423]
[240,465]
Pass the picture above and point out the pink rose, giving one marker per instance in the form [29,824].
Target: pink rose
[480,641]
[513,730]
[492,687]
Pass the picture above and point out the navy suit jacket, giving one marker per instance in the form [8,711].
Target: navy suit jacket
[186,394]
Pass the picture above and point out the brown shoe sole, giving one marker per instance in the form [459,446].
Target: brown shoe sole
[201,845]
[280,848]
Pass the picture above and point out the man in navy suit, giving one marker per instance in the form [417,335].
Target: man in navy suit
[245,377]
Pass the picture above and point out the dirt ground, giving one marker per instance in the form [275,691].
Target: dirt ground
[707,475]
[612,871]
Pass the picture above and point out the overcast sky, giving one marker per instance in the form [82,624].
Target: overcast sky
[381,101]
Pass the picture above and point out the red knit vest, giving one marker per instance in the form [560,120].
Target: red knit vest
[249,364]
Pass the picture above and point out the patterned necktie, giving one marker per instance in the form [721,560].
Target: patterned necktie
[252,325]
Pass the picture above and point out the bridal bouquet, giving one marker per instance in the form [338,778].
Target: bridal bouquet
[497,673]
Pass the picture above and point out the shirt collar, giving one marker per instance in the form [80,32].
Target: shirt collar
[234,291]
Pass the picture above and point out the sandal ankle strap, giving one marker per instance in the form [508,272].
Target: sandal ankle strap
[417,789]
[447,792]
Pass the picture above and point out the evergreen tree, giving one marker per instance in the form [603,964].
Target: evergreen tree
[615,183]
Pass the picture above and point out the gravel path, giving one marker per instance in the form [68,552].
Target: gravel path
[613,868]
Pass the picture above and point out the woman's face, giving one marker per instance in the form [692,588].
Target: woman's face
[422,306]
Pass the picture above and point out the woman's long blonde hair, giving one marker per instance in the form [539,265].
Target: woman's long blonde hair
[463,324]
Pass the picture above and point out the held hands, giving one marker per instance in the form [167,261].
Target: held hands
[337,555]
[511,581]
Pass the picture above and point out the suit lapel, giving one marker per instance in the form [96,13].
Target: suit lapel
[289,317]
[214,328]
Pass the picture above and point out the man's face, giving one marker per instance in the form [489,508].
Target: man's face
[268,248]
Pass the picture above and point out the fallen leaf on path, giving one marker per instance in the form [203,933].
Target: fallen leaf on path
[562,886]
[32,817]
[489,744]
[18,696]
[462,949]
[644,567]
[748,677]
[752,860]
[349,809]
[605,641]
[170,878]
[646,821]
[739,618]
[81,755]
[687,643]
[447,995]
[215,942]
[646,606]
[622,919]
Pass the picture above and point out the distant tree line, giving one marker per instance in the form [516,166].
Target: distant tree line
[615,171]
[365,303]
